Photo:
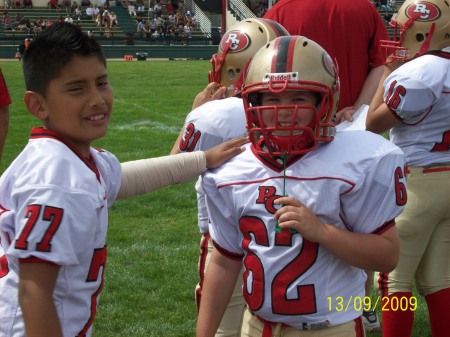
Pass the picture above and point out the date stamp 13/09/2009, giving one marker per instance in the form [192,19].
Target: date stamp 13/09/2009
[366,303]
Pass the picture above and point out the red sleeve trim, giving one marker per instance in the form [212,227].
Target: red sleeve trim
[383,228]
[226,253]
[35,260]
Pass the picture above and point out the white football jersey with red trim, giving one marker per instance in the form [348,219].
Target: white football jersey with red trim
[418,92]
[54,209]
[207,126]
[355,183]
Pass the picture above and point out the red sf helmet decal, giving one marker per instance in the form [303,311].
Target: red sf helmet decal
[426,11]
[236,41]
[328,64]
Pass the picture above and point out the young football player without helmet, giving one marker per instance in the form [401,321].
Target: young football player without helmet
[55,196]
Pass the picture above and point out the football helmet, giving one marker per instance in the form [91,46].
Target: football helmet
[239,44]
[290,63]
[419,26]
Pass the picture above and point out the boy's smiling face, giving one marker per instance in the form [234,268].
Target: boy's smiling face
[78,103]
[286,115]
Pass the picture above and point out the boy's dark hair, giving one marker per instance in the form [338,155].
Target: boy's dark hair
[53,49]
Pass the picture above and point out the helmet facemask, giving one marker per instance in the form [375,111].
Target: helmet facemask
[419,27]
[288,135]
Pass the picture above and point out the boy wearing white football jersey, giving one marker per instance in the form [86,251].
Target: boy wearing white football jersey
[413,103]
[54,197]
[304,211]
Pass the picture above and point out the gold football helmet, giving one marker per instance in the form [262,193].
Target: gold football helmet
[239,44]
[290,63]
[419,26]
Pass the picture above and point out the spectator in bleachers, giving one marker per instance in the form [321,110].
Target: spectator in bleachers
[17,4]
[27,3]
[90,12]
[180,19]
[101,4]
[140,7]
[68,18]
[48,23]
[98,20]
[131,9]
[86,3]
[113,19]
[169,8]
[77,12]
[52,4]
[157,8]
[7,24]
[188,30]
[96,10]
[18,19]
[39,24]
[67,5]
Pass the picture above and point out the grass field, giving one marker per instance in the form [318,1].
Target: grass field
[153,239]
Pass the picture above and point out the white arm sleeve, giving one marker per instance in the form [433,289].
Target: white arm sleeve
[146,175]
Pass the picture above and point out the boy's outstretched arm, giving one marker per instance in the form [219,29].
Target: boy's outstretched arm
[36,284]
[366,251]
[146,175]
[218,286]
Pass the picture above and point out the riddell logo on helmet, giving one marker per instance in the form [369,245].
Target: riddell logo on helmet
[236,41]
[281,77]
[427,11]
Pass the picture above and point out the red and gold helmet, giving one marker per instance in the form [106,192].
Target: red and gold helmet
[238,45]
[419,26]
[291,63]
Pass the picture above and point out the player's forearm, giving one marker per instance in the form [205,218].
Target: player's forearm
[146,175]
[220,279]
[369,87]
[365,251]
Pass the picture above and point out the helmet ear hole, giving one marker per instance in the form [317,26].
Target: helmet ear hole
[231,74]
[420,37]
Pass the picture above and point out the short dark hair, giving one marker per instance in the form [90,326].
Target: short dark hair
[53,49]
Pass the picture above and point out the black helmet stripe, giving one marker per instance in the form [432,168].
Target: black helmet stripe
[282,62]
[279,29]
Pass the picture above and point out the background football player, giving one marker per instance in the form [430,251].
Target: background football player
[413,102]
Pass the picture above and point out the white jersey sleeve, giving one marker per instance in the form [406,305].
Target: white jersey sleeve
[418,93]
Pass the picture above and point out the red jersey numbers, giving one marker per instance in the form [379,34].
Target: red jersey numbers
[52,215]
[4,269]
[400,187]
[394,96]
[190,138]
[96,272]
[305,301]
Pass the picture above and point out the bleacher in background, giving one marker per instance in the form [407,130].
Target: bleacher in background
[124,39]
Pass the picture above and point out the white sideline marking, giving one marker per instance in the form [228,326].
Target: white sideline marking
[141,125]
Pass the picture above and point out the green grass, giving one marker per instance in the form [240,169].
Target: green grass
[153,239]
